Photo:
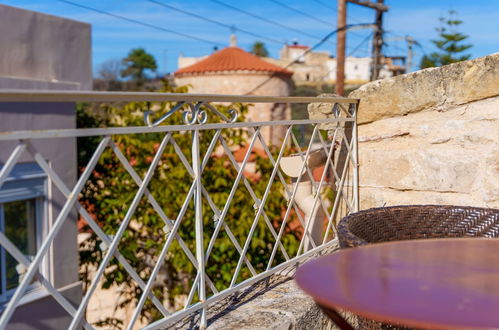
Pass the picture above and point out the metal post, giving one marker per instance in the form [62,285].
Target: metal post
[198,207]
[355,159]
[410,42]
[340,48]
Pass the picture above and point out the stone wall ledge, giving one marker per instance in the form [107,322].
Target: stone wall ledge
[275,303]
[429,89]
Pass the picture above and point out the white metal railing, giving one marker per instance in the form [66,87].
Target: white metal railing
[334,155]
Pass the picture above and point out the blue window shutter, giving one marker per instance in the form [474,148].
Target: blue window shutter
[26,180]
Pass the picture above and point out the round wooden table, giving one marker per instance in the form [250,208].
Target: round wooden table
[434,283]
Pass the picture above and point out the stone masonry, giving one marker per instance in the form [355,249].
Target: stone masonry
[431,137]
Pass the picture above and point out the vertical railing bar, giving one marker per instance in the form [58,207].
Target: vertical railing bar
[7,313]
[291,201]
[160,211]
[21,258]
[355,159]
[83,212]
[11,162]
[210,201]
[123,226]
[198,206]
[183,159]
[189,169]
[224,212]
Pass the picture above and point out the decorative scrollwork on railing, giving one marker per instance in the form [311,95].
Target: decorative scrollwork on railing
[194,114]
[148,114]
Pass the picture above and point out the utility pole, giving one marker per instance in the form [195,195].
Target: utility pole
[340,47]
[410,53]
[380,8]
[377,43]
[408,63]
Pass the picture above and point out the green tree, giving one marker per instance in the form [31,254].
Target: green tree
[110,189]
[137,62]
[450,46]
[258,48]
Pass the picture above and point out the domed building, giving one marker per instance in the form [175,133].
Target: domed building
[235,71]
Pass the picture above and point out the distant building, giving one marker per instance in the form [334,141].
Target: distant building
[40,51]
[235,71]
[319,66]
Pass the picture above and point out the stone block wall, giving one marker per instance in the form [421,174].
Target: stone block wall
[431,137]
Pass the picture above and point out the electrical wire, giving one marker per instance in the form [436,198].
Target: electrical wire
[323,40]
[351,52]
[360,44]
[261,18]
[279,3]
[131,20]
[215,22]
[324,4]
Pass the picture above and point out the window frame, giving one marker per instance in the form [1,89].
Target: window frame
[26,181]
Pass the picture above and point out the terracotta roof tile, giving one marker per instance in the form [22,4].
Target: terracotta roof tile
[298,46]
[232,59]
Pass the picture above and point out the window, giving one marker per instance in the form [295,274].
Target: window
[21,219]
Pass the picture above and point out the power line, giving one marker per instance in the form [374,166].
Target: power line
[360,44]
[366,39]
[323,40]
[307,15]
[325,5]
[265,19]
[215,22]
[301,12]
[131,20]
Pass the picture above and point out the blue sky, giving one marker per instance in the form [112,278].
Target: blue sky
[113,38]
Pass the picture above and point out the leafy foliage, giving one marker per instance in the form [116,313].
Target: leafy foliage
[111,189]
[137,63]
[450,44]
[258,48]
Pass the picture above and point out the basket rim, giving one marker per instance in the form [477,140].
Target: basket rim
[345,235]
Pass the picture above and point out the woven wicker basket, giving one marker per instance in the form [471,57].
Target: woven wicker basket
[414,222]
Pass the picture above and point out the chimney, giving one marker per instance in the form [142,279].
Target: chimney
[233,40]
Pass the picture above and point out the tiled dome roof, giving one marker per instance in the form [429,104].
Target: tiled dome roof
[232,59]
